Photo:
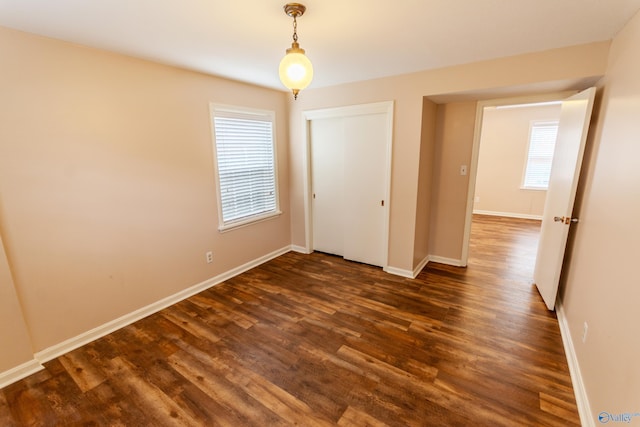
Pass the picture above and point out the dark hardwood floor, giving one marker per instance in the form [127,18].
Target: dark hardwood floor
[313,340]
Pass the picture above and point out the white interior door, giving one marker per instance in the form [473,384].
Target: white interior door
[327,177]
[565,171]
[364,188]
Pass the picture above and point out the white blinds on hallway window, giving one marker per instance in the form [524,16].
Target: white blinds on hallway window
[542,142]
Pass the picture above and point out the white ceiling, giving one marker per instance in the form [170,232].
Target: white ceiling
[347,40]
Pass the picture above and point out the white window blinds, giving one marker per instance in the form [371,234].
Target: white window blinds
[542,143]
[245,161]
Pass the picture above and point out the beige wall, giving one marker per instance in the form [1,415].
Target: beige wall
[14,336]
[407,91]
[503,153]
[425,183]
[106,181]
[107,184]
[454,142]
[602,286]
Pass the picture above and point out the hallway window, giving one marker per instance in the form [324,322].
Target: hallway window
[245,165]
[542,142]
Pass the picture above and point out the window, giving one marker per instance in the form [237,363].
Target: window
[244,157]
[542,142]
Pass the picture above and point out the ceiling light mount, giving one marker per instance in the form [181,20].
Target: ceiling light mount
[294,10]
[296,71]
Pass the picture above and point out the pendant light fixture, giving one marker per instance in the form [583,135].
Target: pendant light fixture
[295,69]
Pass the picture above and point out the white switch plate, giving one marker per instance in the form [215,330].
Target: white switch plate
[463,170]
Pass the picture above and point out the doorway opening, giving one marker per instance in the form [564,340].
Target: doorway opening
[574,119]
[514,161]
[499,156]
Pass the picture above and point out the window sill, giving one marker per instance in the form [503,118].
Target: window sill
[534,188]
[248,221]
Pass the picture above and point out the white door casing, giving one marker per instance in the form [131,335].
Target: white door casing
[574,122]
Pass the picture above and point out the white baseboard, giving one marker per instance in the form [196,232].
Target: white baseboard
[420,266]
[431,258]
[447,261]
[508,214]
[399,272]
[57,350]
[407,273]
[582,400]
[300,249]
[19,372]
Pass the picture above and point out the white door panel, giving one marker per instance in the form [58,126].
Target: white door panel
[364,188]
[327,177]
[565,171]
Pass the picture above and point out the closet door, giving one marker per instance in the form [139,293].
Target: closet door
[327,177]
[348,174]
[364,188]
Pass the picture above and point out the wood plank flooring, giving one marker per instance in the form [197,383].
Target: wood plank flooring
[313,340]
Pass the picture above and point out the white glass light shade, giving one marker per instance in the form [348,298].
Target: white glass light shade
[296,71]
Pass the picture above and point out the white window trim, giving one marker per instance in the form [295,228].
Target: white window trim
[243,111]
[526,154]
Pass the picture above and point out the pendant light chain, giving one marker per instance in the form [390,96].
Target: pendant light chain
[295,29]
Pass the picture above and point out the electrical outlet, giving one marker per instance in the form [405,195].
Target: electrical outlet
[209,256]
[585,329]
